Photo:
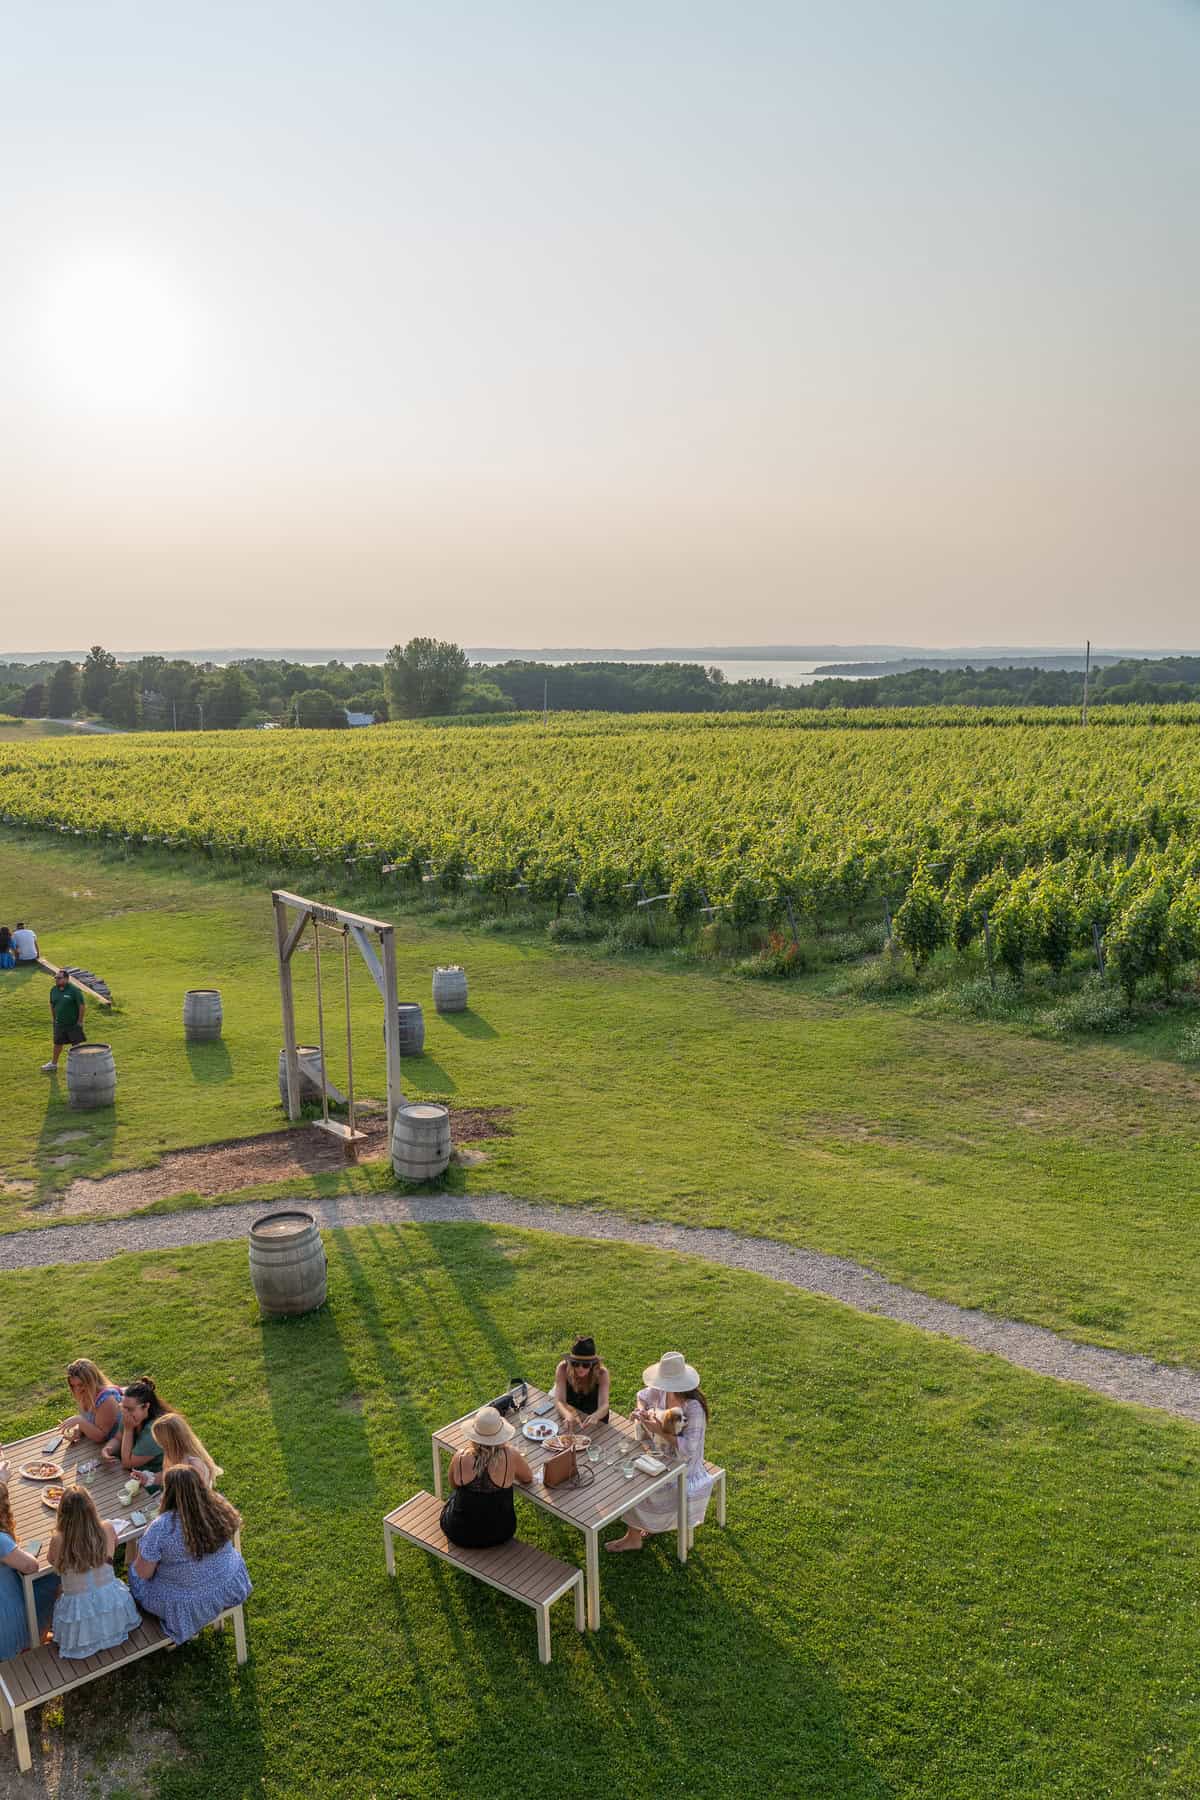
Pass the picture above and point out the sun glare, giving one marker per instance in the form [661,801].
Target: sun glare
[120,338]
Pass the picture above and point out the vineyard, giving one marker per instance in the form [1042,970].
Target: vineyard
[1050,839]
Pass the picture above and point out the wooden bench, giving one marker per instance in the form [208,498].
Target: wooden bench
[41,1675]
[718,1476]
[520,1570]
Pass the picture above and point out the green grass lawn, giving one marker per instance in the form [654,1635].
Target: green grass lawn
[941,1578]
[1052,1182]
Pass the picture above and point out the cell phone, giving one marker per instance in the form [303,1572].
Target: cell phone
[51,1447]
[33,1546]
[543,1406]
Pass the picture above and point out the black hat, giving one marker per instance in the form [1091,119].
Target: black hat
[584,1350]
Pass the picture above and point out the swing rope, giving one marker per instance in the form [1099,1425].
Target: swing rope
[320,1020]
[349,1037]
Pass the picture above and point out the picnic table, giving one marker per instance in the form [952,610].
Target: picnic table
[33,1521]
[591,1505]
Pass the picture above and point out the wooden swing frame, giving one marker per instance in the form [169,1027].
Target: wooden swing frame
[382,969]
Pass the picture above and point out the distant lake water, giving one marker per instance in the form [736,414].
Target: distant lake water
[787,674]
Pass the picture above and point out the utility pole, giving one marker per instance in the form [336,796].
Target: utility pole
[174,717]
[1087,669]
[200,708]
[545,702]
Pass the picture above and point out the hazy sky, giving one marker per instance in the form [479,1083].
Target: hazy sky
[638,323]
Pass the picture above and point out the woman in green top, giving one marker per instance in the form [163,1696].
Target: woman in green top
[133,1443]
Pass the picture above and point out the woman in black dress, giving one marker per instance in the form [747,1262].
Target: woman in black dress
[581,1386]
[480,1511]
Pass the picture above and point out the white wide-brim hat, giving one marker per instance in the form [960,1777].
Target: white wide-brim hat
[672,1374]
[488,1428]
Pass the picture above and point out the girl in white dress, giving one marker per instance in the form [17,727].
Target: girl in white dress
[672,1389]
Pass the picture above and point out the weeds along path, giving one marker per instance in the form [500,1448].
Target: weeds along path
[1115,1374]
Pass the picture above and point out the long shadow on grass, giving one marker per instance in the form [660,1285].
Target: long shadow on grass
[469,1024]
[94,1129]
[323,1442]
[424,1073]
[210,1062]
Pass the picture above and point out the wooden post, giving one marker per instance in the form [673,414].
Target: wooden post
[1098,946]
[887,918]
[395,1098]
[987,939]
[792,920]
[287,1006]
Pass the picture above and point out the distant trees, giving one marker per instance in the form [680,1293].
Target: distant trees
[424,677]
[316,709]
[99,673]
[123,702]
[33,706]
[229,698]
[62,691]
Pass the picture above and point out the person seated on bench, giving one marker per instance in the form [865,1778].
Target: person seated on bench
[15,1562]
[133,1445]
[24,944]
[182,1449]
[98,1400]
[94,1611]
[480,1511]
[673,1410]
[581,1385]
[8,955]
[188,1570]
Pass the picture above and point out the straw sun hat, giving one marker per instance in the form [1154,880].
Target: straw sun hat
[672,1374]
[488,1428]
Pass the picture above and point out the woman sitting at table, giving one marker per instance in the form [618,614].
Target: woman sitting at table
[94,1611]
[133,1445]
[480,1511]
[581,1384]
[98,1400]
[673,1411]
[181,1448]
[15,1562]
[188,1570]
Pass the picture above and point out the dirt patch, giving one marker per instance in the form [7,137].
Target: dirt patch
[247,1162]
[66,1767]
[350,1403]
[11,1185]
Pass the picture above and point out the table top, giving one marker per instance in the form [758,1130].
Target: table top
[33,1520]
[594,1503]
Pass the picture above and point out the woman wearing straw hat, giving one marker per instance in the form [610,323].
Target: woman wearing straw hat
[480,1511]
[673,1409]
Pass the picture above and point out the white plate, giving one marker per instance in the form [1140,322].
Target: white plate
[538,1430]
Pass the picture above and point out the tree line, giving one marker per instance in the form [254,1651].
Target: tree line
[427,678]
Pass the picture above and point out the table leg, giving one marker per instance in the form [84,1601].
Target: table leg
[31,1618]
[592,1541]
[437,1469]
[683,1515]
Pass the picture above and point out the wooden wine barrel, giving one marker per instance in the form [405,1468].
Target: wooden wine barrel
[310,1074]
[450,988]
[411,1021]
[91,1076]
[421,1141]
[287,1263]
[202,1015]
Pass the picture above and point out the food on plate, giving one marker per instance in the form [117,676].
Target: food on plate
[43,1471]
[538,1430]
[52,1495]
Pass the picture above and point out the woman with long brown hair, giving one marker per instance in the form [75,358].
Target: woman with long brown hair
[15,1562]
[182,1448]
[94,1611]
[673,1411]
[98,1400]
[581,1384]
[188,1570]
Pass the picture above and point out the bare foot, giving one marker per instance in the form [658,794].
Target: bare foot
[633,1540]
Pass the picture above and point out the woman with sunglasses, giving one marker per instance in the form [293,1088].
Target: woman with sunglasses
[581,1386]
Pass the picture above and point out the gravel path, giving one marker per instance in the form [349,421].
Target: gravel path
[1113,1373]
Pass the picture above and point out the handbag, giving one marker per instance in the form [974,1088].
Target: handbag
[559,1468]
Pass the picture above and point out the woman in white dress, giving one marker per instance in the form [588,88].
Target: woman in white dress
[672,1409]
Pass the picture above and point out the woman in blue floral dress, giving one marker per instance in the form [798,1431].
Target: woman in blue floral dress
[188,1569]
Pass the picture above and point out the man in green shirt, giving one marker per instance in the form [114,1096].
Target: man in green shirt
[66,1014]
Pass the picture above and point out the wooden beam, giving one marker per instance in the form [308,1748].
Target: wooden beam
[287,1009]
[391,1030]
[53,968]
[331,915]
[369,957]
[294,936]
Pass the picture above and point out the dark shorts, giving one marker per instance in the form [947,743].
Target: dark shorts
[71,1034]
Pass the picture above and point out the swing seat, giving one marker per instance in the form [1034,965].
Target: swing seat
[336,1129]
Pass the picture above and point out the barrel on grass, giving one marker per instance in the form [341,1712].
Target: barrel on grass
[91,1076]
[310,1074]
[202,1015]
[410,1022]
[450,988]
[287,1263]
[421,1141]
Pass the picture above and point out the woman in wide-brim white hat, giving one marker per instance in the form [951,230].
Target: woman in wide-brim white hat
[673,1409]
[480,1510]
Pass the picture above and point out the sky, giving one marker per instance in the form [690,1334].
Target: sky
[651,323]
